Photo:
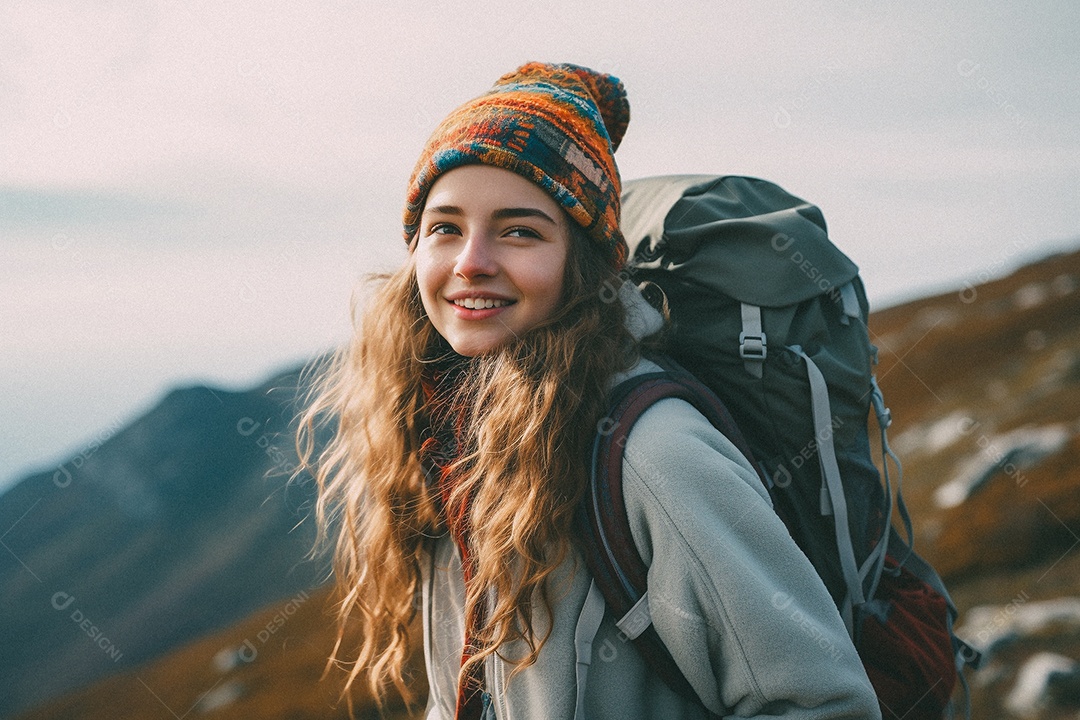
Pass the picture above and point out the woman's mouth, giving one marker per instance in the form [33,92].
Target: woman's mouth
[481,303]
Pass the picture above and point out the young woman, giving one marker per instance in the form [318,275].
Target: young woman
[464,410]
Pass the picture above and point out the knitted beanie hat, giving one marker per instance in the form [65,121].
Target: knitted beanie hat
[556,125]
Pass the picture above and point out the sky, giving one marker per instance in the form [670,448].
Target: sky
[192,192]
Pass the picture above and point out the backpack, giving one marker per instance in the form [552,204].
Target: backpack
[769,322]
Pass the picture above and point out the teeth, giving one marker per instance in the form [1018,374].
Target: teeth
[480,303]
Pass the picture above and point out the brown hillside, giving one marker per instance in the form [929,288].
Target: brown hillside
[984,385]
[954,345]
[963,372]
[270,666]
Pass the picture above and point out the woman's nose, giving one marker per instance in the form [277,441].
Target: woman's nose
[476,258]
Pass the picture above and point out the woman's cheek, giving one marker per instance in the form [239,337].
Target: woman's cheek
[426,278]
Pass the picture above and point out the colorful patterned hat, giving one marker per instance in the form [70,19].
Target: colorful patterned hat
[556,125]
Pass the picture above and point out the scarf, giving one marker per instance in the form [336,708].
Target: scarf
[441,446]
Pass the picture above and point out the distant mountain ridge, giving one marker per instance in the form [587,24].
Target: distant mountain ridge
[180,523]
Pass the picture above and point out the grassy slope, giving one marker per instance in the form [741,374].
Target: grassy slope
[282,679]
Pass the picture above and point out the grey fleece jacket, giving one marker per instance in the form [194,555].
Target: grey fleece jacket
[739,606]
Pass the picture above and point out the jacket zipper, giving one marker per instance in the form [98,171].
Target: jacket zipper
[500,688]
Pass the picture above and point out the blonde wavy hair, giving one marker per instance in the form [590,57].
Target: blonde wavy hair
[532,412]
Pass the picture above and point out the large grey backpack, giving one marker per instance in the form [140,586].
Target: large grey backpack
[771,317]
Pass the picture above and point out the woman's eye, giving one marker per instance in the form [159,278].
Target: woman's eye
[442,229]
[523,232]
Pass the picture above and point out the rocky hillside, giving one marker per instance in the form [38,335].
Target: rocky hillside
[984,384]
[984,387]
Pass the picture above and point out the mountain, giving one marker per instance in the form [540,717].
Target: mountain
[181,523]
[984,385]
[984,388]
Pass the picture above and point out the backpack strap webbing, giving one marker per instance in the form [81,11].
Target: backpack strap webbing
[833,498]
[607,542]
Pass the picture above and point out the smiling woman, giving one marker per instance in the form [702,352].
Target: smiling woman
[464,412]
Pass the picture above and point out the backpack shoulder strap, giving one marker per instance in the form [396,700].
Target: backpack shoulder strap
[607,543]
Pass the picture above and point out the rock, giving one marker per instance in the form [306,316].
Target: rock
[220,696]
[1032,692]
[990,627]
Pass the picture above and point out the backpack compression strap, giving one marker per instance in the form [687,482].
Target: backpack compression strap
[608,545]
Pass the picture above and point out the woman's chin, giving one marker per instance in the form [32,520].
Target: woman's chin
[472,345]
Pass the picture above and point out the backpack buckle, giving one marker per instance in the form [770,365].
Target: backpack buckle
[753,347]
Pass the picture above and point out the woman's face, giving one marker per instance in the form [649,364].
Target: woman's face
[490,257]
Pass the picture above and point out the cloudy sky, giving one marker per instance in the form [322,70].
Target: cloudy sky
[190,191]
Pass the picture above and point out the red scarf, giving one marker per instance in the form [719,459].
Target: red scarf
[441,446]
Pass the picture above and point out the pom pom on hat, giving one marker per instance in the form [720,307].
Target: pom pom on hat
[607,93]
[556,125]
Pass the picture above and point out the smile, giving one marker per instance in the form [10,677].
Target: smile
[481,303]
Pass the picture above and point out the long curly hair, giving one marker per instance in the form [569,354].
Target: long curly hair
[533,407]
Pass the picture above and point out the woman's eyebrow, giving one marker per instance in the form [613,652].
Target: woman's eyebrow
[520,212]
[445,210]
